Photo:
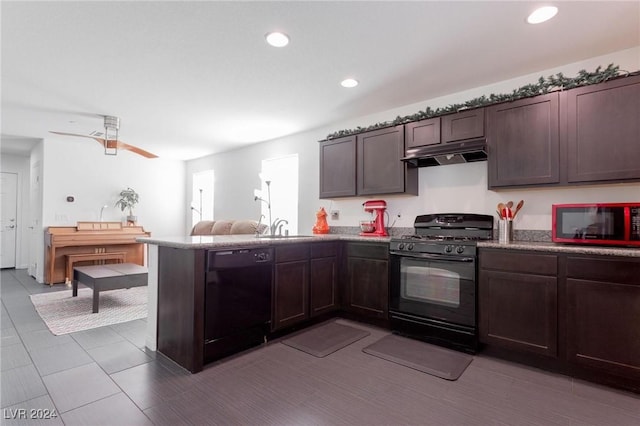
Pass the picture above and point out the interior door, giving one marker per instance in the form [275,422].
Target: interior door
[8,225]
[36,242]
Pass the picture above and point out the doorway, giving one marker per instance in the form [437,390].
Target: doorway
[8,224]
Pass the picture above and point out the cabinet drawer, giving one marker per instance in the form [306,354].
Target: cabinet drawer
[369,251]
[324,250]
[516,261]
[604,269]
[292,252]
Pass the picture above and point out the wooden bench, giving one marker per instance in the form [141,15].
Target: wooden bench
[120,256]
[108,277]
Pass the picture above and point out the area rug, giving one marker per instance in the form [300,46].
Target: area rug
[326,339]
[435,360]
[64,314]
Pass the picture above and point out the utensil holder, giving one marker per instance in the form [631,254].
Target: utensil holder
[505,231]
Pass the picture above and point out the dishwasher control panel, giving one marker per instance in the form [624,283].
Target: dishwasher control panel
[238,258]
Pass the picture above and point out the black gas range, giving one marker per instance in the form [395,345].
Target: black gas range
[433,293]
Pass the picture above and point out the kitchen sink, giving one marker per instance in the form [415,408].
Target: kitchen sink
[282,237]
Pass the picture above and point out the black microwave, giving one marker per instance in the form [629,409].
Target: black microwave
[599,224]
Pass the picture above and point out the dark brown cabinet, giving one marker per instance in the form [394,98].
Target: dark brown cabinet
[462,125]
[290,286]
[338,167]
[422,133]
[305,282]
[379,168]
[323,284]
[602,314]
[523,142]
[367,280]
[603,131]
[518,301]
[366,164]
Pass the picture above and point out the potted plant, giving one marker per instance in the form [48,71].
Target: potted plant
[128,199]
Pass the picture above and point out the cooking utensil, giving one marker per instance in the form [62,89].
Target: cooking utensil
[510,204]
[518,207]
[501,208]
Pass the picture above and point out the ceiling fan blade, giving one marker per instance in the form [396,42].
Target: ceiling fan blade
[135,149]
[71,134]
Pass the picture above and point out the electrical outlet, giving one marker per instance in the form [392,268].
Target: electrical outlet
[335,214]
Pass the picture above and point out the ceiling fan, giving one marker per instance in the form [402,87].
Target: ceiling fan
[109,139]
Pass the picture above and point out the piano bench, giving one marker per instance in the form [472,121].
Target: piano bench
[119,256]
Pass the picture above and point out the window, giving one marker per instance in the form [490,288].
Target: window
[283,174]
[202,196]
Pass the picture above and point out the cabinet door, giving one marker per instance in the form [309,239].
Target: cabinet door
[368,287]
[338,167]
[290,294]
[603,131]
[380,170]
[463,125]
[523,142]
[423,132]
[603,310]
[323,285]
[519,311]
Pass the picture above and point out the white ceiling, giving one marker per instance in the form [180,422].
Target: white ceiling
[188,79]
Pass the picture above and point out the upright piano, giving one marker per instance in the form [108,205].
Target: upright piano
[90,243]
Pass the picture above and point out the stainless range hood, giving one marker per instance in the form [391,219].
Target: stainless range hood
[447,153]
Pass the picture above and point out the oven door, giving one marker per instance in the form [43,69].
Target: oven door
[434,286]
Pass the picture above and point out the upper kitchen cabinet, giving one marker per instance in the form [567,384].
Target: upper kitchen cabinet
[338,167]
[523,139]
[603,131]
[448,128]
[462,125]
[380,169]
[366,164]
[422,133]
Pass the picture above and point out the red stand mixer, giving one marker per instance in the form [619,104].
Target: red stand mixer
[376,228]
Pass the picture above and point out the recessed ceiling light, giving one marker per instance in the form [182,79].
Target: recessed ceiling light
[349,82]
[542,14]
[277,39]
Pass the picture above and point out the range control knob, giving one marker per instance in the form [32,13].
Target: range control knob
[401,246]
[460,249]
[448,249]
[410,246]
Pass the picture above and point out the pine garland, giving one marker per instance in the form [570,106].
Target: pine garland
[544,85]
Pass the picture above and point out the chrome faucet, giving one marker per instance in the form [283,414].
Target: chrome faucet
[102,210]
[277,225]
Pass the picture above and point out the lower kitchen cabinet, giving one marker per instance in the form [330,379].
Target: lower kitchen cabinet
[305,282]
[367,280]
[603,314]
[518,301]
[323,281]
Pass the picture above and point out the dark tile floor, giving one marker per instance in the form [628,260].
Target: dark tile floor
[105,376]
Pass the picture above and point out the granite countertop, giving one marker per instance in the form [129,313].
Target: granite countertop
[562,248]
[245,240]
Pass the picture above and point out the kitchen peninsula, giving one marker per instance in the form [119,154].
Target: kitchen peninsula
[304,271]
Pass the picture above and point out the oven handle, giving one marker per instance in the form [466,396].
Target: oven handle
[433,256]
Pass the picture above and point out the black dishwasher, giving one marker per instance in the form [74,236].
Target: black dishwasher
[238,300]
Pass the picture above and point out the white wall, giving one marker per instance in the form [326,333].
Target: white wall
[79,168]
[19,165]
[454,188]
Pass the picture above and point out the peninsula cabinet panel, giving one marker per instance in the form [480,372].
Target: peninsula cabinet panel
[603,313]
[519,311]
[463,125]
[523,142]
[338,167]
[380,169]
[603,131]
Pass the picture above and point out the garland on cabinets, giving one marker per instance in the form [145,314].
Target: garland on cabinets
[543,86]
